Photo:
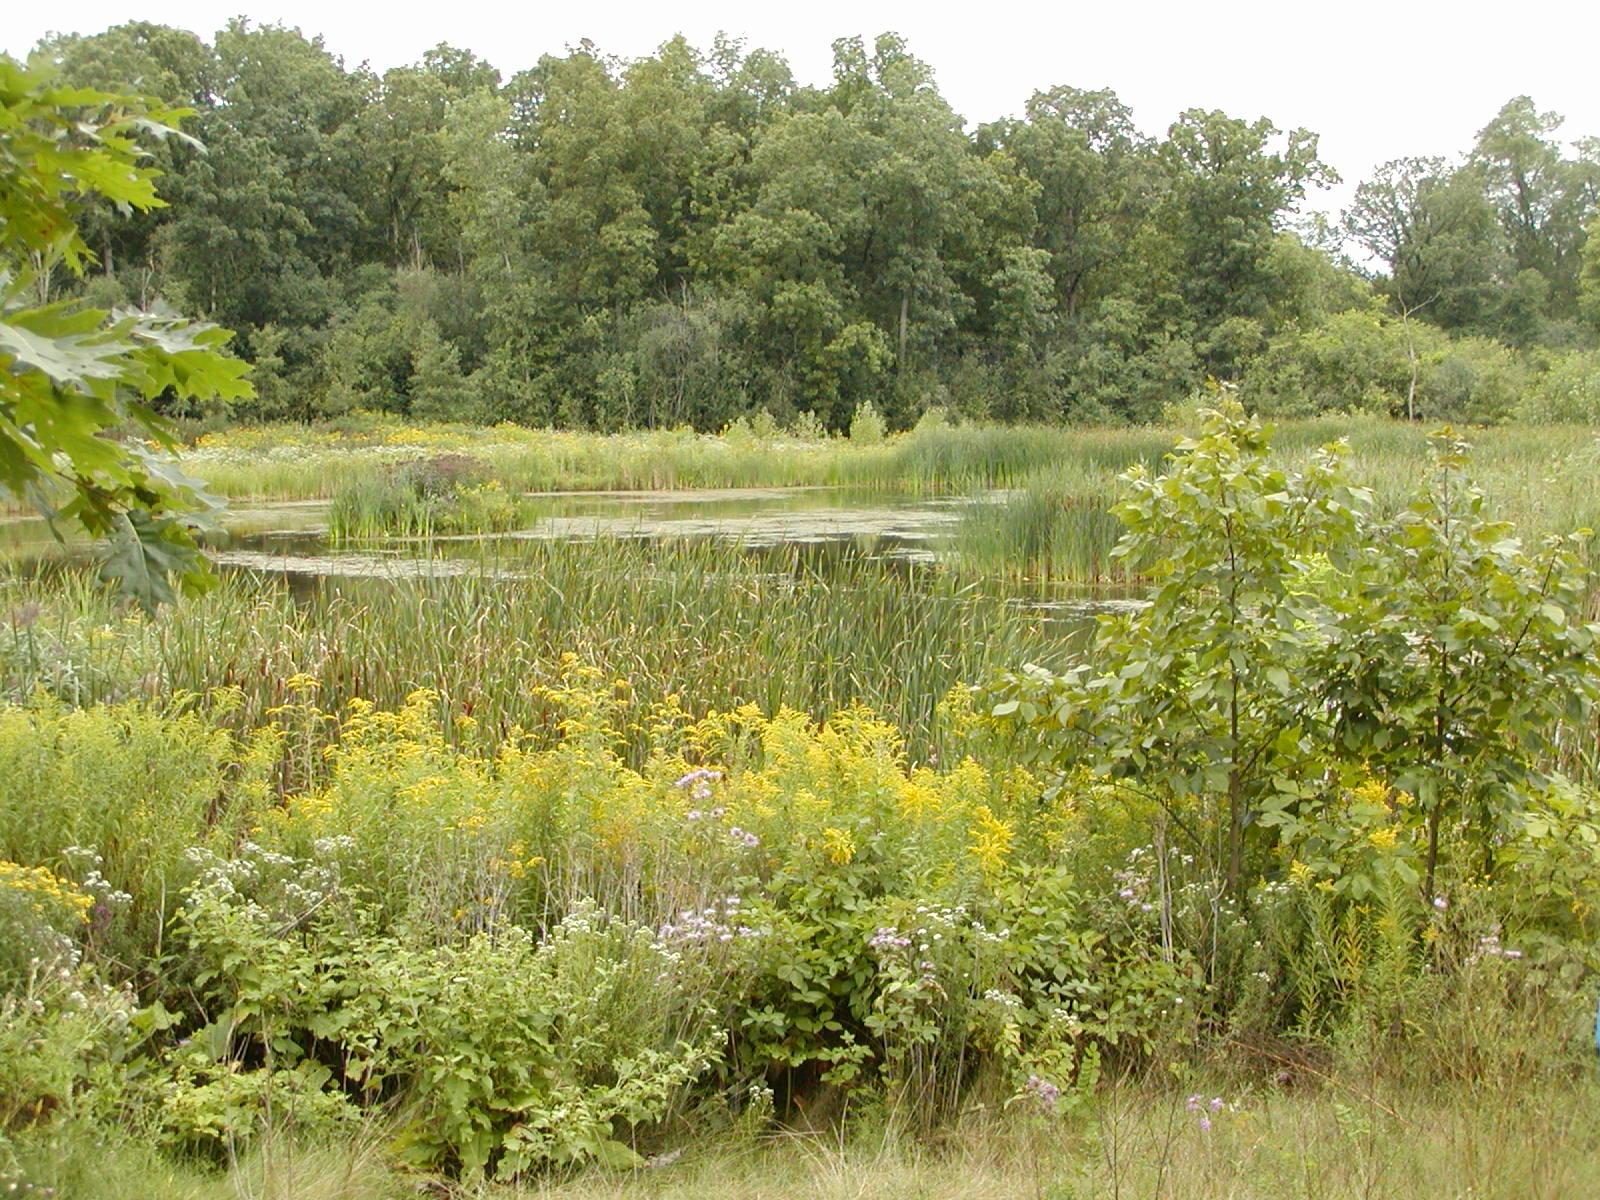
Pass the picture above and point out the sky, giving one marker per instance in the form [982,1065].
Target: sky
[1375,80]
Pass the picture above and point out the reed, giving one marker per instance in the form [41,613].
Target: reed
[702,620]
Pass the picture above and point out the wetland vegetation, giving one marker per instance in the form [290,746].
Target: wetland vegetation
[901,724]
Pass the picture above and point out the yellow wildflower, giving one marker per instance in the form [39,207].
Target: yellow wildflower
[43,890]
[1372,791]
[919,796]
[990,840]
[840,845]
[1384,839]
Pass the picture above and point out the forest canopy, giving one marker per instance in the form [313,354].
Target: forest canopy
[692,237]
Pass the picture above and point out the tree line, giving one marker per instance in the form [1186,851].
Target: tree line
[693,237]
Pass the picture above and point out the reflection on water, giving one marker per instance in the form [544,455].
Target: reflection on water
[816,528]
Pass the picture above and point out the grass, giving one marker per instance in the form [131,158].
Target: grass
[1538,1144]
[704,621]
[1056,524]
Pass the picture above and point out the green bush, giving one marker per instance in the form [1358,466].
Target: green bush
[506,1052]
[867,426]
[124,791]
[1567,392]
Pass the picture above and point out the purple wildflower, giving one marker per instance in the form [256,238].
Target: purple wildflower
[699,775]
[1047,1093]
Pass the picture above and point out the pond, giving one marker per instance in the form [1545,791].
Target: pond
[823,527]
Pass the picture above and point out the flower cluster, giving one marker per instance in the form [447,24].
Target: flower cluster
[1133,882]
[888,937]
[721,921]
[1489,947]
[699,782]
[1205,1109]
[268,885]
[1046,1093]
[738,836]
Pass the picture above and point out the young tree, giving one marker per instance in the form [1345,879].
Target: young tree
[1455,656]
[1200,703]
[1294,644]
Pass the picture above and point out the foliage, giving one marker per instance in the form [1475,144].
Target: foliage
[689,237]
[74,375]
[613,864]
[65,1037]
[591,939]
[1195,697]
[1454,652]
[1293,639]
[510,1055]
[1568,392]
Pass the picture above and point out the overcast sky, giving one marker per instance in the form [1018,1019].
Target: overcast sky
[1376,80]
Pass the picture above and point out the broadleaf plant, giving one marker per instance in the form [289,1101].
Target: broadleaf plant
[1298,644]
[77,383]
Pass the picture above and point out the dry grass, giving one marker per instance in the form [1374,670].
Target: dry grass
[1448,1143]
[1539,1146]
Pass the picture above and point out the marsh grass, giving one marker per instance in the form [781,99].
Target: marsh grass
[702,620]
[1056,522]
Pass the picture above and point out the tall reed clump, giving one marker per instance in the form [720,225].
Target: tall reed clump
[1048,528]
[447,494]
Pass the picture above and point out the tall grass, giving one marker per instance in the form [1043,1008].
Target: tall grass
[291,462]
[704,621]
[1055,522]
[1334,1141]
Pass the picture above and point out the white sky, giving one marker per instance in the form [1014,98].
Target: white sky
[1376,80]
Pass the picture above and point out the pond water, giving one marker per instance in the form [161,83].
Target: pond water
[824,526]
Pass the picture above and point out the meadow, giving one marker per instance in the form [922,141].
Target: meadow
[666,868]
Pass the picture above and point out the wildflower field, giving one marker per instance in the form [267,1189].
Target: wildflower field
[657,870]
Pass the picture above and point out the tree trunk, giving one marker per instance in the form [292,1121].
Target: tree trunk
[905,312]
[1433,849]
[1235,797]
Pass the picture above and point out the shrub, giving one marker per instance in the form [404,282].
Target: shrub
[132,786]
[867,426]
[1568,391]
[505,1052]
[63,1038]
